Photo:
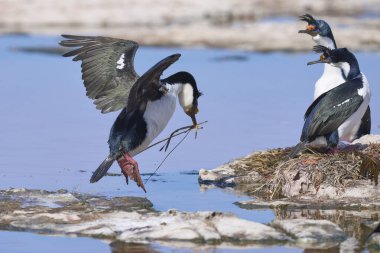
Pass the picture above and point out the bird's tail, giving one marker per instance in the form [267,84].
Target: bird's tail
[102,169]
[297,149]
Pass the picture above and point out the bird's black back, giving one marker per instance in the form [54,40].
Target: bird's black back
[332,109]
[129,129]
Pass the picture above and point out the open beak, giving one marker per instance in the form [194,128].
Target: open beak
[303,31]
[315,62]
[310,29]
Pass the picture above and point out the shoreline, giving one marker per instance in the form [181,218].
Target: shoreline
[251,26]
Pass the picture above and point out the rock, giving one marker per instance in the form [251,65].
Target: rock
[128,219]
[310,204]
[357,220]
[368,139]
[222,177]
[227,176]
[351,245]
[311,232]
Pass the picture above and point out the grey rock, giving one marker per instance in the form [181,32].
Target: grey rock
[311,232]
[128,219]
[368,139]
[222,177]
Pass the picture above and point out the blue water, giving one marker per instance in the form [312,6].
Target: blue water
[52,136]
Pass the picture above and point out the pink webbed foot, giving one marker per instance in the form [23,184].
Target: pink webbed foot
[130,169]
[333,151]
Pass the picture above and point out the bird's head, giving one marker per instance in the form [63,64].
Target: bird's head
[341,58]
[188,93]
[319,30]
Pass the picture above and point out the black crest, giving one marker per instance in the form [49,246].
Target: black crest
[307,18]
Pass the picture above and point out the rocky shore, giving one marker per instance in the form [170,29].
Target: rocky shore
[133,220]
[326,216]
[342,189]
[256,25]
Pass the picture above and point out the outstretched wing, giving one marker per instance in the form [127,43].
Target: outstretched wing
[107,65]
[332,110]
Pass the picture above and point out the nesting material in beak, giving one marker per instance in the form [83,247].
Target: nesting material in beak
[195,124]
[194,119]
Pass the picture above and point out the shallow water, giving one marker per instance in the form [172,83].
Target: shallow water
[52,136]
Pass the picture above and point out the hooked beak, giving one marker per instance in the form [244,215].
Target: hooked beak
[315,62]
[310,29]
[304,31]
[192,116]
[195,124]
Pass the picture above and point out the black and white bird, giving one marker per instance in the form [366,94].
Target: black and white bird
[322,35]
[147,102]
[336,113]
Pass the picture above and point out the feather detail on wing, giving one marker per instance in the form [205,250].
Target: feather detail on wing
[108,70]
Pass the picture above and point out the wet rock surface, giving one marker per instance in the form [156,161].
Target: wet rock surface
[310,232]
[128,219]
[248,25]
[352,223]
[339,205]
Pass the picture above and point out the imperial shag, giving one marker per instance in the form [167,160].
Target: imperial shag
[147,102]
[336,113]
[322,35]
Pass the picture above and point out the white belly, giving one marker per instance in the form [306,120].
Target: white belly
[331,77]
[157,115]
[350,127]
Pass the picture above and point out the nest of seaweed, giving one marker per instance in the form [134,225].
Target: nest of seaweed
[337,170]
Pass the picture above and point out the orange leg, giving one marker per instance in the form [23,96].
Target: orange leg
[130,169]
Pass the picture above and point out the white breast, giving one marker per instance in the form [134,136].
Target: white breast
[157,115]
[350,127]
[185,97]
[331,77]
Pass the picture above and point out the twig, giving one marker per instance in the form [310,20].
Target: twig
[173,135]
[171,151]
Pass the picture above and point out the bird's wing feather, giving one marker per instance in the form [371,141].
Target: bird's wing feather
[311,107]
[108,70]
[333,109]
[148,85]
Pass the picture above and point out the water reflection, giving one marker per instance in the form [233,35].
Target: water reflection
[356,224]
[122,247]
